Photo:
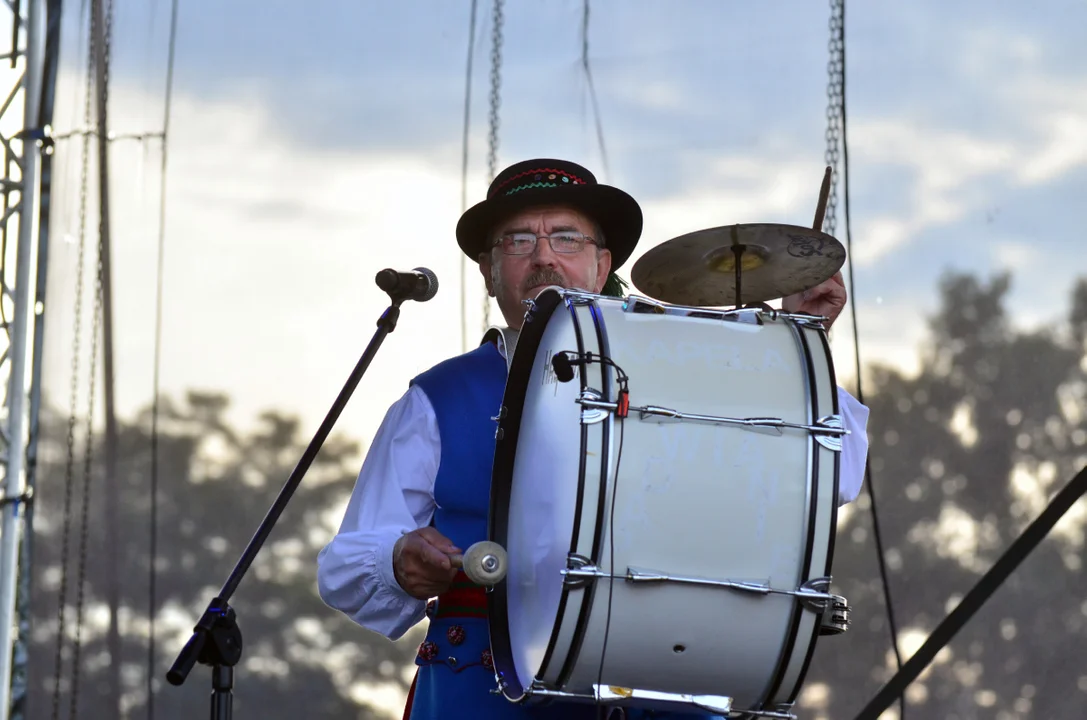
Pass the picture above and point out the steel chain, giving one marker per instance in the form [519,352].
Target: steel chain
[835,98]
[492,135]
[88,442]
[69,470]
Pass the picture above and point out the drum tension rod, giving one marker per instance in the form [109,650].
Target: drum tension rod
[812,594]
[830,425]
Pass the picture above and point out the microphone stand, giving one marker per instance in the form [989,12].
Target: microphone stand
[217,640]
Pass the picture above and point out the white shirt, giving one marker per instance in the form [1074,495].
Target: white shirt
[394,494]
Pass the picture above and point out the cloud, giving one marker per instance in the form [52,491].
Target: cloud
[274,307]
[735,189]
[1014,255]
[293,179]
[1064,149]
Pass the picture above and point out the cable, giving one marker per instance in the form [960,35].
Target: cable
[592,87]
[837,25]
[464,173]
[101,35]
[611,548]
[152,599]
[69,470]
[88,457]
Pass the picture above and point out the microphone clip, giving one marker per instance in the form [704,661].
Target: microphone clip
[563,362]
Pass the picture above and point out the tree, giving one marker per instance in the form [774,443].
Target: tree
[963,457]
[301,659]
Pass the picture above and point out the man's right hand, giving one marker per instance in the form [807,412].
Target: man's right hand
[422,563]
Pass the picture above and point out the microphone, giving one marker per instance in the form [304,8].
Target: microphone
[421,284]
[563,367]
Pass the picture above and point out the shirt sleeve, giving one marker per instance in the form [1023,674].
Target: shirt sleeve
[854,447]
[394,494]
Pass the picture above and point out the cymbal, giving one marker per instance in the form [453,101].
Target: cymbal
[699,269]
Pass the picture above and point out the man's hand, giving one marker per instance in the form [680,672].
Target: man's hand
[421,563]
[827,299]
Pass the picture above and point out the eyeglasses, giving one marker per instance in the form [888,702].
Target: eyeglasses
[566,242]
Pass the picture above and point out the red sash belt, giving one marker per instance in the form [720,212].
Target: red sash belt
[463,599]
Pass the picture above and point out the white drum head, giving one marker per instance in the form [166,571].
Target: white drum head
[542,501]
[537,467]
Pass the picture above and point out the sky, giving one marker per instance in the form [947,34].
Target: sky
[310,147]
[313,144]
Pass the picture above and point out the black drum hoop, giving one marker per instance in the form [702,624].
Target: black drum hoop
[824,345]
[509,427]
[774,687]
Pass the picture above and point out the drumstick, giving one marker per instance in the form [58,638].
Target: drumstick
[824,195]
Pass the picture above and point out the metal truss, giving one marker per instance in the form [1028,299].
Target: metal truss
[27,80]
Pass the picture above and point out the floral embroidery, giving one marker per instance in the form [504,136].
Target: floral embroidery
[455,634]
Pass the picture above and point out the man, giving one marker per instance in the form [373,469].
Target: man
[421,496]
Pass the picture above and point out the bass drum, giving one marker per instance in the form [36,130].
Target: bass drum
[676,556]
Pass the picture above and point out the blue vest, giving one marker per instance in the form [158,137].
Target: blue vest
[456,678]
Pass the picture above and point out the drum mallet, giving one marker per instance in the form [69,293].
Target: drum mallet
[485,563]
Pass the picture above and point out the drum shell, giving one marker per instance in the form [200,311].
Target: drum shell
[682,498]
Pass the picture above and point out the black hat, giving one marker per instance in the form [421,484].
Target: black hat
[544,182]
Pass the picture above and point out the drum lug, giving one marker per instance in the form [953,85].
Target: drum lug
[593,407]
[579,571]
[819,588]
[831,442]
[803,319]
[815,595]
[636,303]
[573,297]
[779,710]
[538,686]
[530,310]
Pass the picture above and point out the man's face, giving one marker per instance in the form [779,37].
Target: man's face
[513,278]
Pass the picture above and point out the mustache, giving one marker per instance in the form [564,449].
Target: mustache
[545,276]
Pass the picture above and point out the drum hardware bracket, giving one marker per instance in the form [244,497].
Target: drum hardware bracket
[579,570]
[720,705]
[836,618]
[577,297]
[812,595]
[828,440]
[499,685]
[593,408]
[828,430]
[633,302]
[611,695]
